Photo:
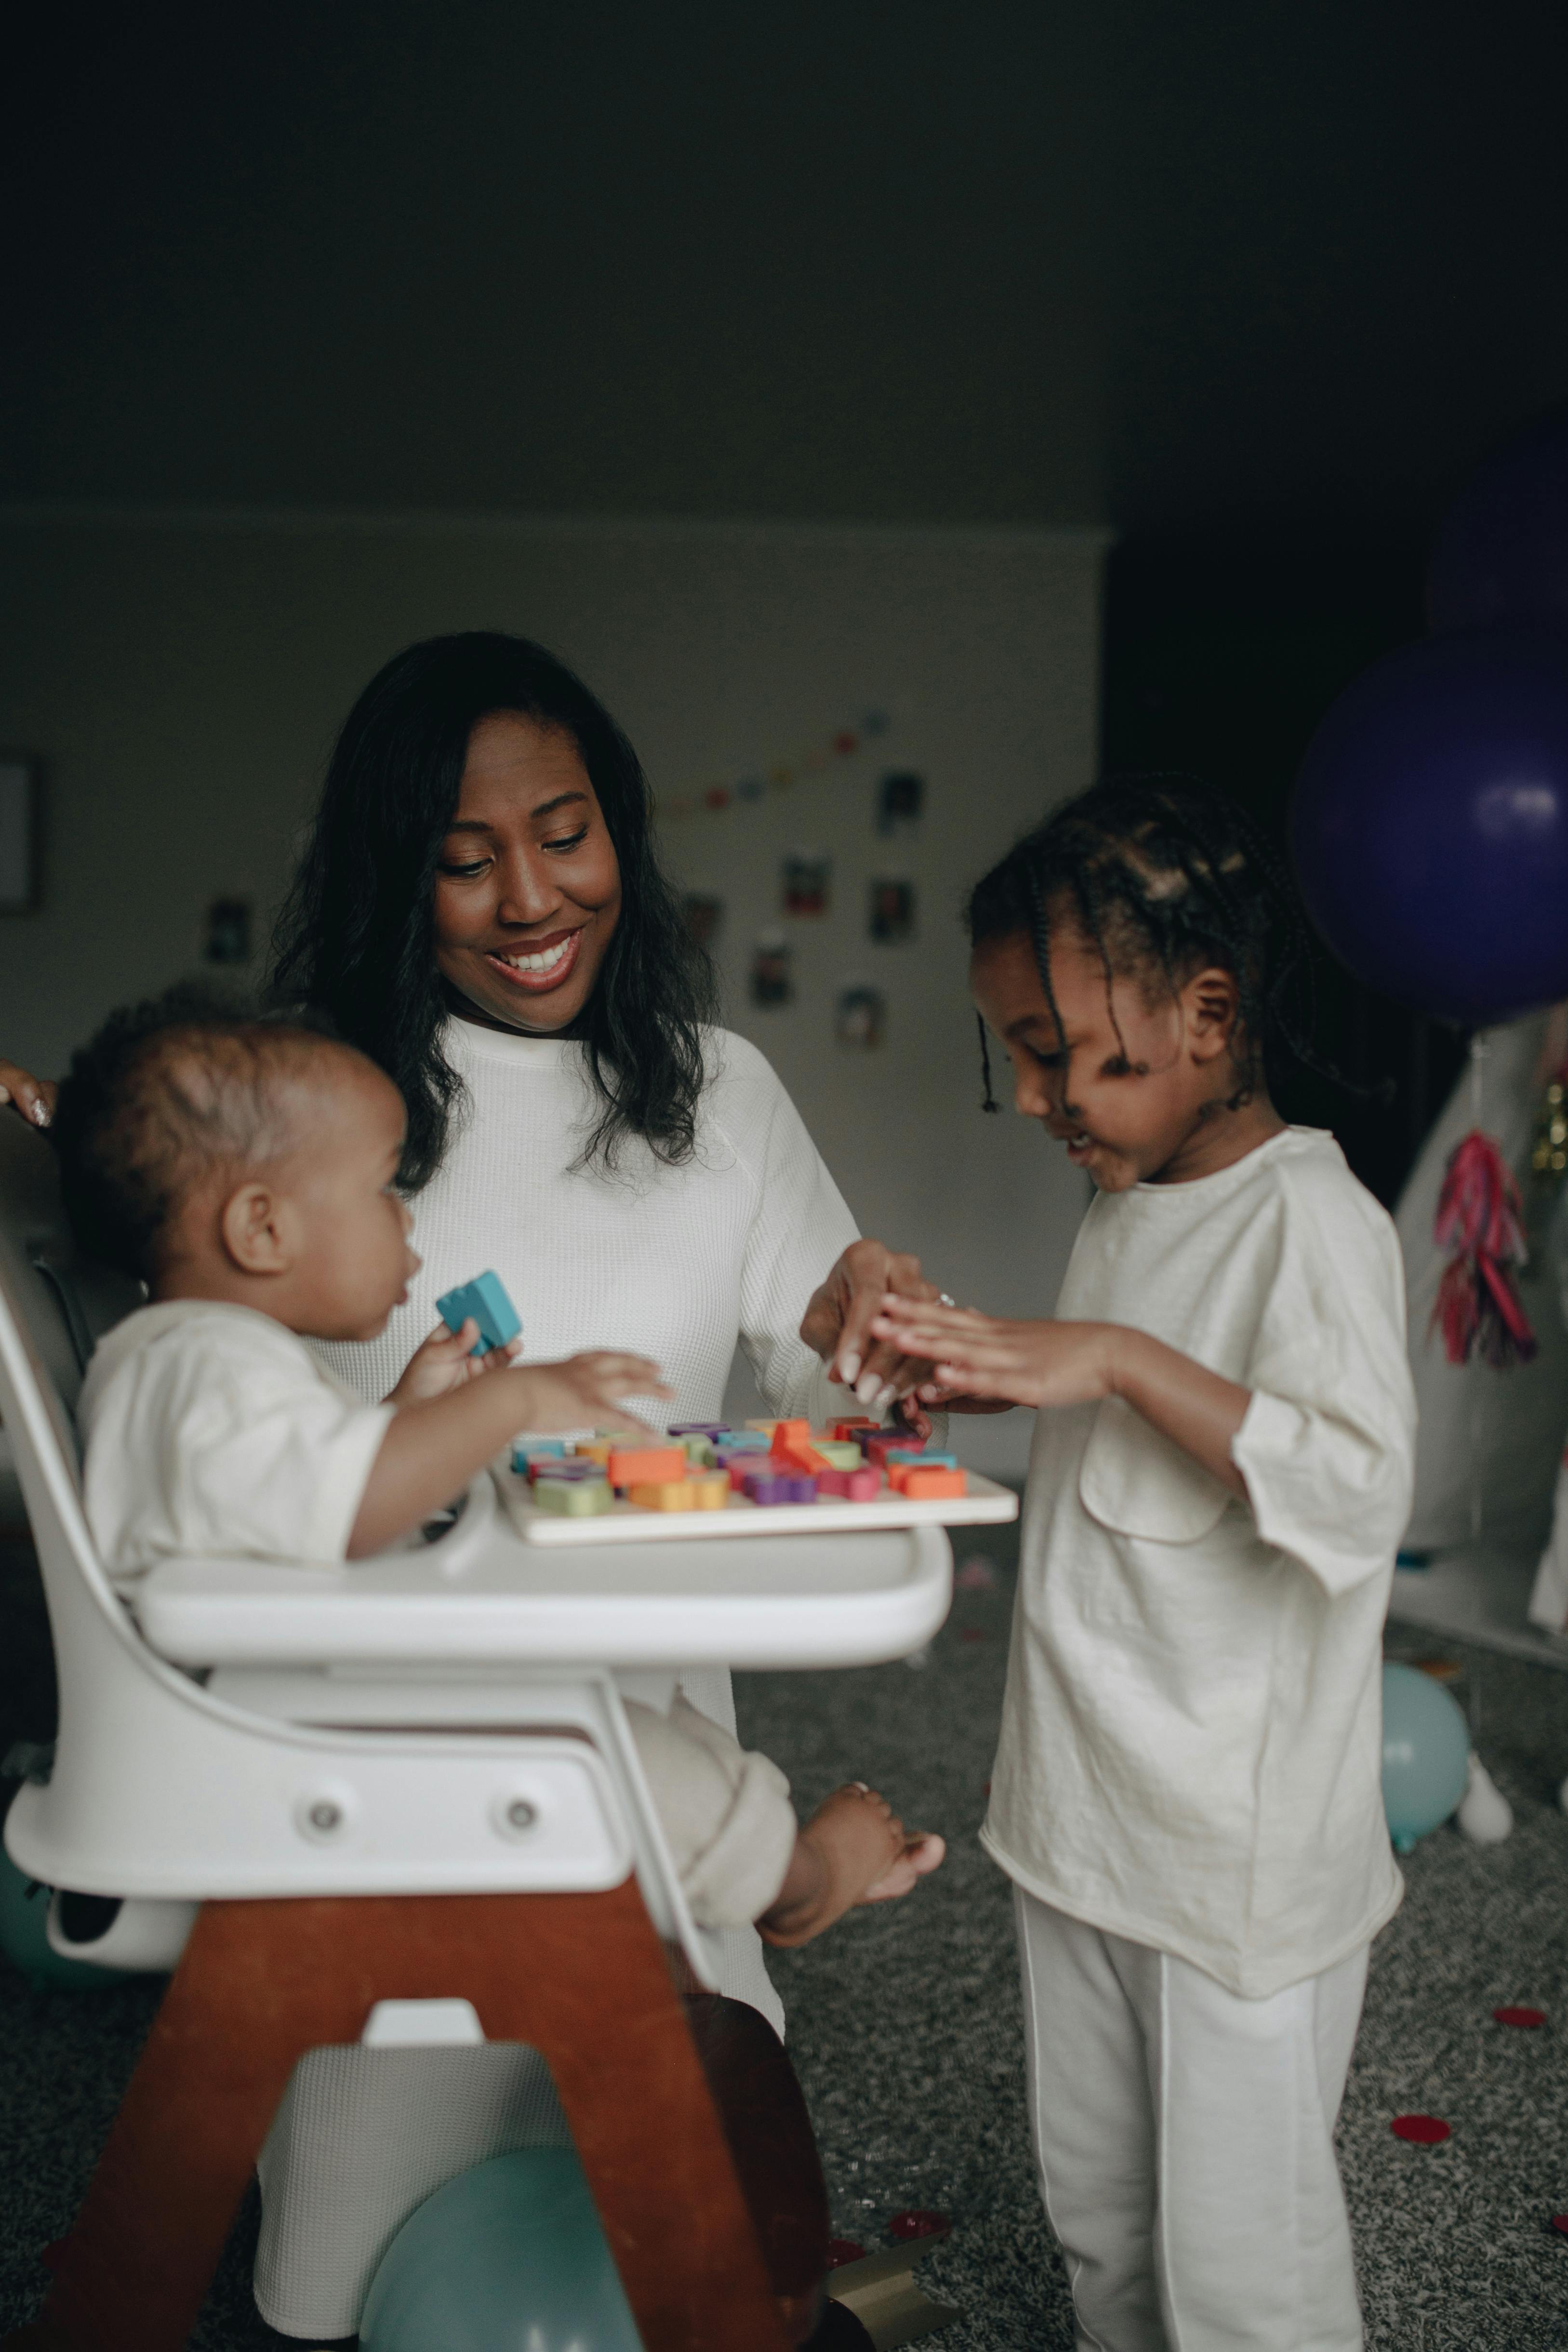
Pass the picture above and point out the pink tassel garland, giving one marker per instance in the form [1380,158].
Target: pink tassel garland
[1480,1218]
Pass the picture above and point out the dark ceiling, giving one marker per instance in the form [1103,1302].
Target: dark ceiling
[1125,260]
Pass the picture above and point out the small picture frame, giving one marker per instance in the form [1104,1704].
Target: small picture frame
[704,916]
[21,814]
[860,1016]
[901,800]
[226,931]
[806,875]
[890,912]
[773,973]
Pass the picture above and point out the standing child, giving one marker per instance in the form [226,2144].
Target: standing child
[1186,1791]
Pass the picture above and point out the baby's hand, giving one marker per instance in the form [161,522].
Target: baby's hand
[585,1391]
[443,1363]
[985,1356]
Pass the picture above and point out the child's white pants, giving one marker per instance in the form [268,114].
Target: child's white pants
[1185,2138]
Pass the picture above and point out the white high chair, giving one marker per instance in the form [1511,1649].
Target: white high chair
[391,1803]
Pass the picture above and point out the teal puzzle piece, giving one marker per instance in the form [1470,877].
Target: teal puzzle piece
[486,1300]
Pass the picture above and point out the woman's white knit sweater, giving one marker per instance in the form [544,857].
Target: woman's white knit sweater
[672,1262]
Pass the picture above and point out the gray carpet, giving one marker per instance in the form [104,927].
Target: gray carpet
[905,2029]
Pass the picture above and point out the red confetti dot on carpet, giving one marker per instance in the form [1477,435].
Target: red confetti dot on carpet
[1520,2016]
[1560,2222]
[1425,2130]
[919,2222]
[844,2250]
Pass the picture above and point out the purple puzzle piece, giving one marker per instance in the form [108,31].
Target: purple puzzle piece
[764,1488]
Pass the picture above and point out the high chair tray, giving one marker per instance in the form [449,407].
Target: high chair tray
[482,1598]
[984,1504]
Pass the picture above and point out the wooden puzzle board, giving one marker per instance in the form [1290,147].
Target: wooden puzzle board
[986,1504]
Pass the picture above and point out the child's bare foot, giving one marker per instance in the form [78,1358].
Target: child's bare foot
[853,1850]
[922,1856]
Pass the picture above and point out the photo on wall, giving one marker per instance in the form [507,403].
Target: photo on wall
[771,978]
[860,1016]
[226,931]
[900,799]
[892,912]
[704,916]
[805,879]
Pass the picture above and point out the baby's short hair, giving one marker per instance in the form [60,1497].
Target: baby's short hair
[166,1092]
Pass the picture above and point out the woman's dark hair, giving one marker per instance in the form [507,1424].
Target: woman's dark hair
[357,937]
[1164,875]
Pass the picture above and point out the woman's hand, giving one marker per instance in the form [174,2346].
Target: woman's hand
[445,1362]
[836,1323]
[990,1358]
[27,1097]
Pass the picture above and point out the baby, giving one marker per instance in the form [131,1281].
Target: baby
[247,1171]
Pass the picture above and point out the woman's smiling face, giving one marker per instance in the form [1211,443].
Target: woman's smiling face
[528,890]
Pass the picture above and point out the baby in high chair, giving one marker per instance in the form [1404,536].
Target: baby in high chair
[246,1170]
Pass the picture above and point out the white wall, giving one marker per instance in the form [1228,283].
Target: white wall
[184,677]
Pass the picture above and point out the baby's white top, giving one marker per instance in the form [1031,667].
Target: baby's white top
[1191,1746]
[672,1262]
[211,1432]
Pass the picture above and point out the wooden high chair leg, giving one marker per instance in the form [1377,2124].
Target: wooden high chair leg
[581,1977]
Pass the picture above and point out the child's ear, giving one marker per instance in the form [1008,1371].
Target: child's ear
[254,1229]
[1212,1001]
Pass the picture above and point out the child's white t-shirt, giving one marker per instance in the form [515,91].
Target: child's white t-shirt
[1190,1744]
[211,1432]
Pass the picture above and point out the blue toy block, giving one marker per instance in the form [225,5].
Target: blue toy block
[922,1458]
[486,1300]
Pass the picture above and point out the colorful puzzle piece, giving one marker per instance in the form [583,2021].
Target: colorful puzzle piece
[646,1465]
[862,1485]
[933,1486]
[486,1300]
[575,1498]
[766,1487]
[663,1494]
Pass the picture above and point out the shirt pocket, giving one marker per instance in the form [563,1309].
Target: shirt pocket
[1137,1483]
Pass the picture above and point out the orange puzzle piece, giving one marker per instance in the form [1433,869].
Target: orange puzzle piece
[930,1486]
[792,1450]
[649,1465]
[666,1495]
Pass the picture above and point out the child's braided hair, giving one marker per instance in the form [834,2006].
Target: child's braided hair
[1164,875]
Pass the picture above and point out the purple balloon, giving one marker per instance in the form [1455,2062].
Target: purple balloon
[1502,552]
[1430,825]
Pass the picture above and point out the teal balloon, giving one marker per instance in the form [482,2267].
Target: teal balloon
[509,2257]
[1425,1754]
[24,1942]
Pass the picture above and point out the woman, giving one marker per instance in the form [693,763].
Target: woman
[480,909]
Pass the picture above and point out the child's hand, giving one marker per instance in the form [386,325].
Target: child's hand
[585,1391]
[986,1357]
[443,1363]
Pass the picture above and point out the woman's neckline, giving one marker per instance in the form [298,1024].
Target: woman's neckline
[516,1046]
